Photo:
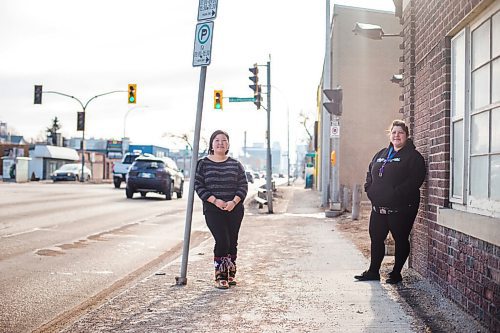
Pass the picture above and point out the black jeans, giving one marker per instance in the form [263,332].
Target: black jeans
[225,227]
[400,225]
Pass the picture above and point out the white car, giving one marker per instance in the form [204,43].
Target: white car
[72,171]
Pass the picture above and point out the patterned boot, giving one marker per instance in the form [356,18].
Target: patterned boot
[232,270]
[221,276]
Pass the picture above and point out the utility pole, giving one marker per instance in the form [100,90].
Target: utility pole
[269,188]
[257,101]
[334,107]
[325,117]
[245,145]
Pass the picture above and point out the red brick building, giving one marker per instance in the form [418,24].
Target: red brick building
[451,99]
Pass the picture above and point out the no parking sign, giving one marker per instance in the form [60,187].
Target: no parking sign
[334,131]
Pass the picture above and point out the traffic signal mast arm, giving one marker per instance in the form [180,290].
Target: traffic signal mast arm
[80,116]
[83,106]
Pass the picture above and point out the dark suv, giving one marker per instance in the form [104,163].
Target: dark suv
[154,174]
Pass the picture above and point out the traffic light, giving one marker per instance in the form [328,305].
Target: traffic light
[255,86]
[257,97]
[80,122]
[334,105]
[38,94]
[132,93]
[218,100]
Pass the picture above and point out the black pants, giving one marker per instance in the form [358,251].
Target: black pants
[225,227]
[400,225]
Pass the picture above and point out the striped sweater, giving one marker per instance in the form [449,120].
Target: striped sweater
[224,180]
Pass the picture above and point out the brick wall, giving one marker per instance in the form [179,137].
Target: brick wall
[465,269]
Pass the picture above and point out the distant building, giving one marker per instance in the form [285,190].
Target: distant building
[11,145]
[256,157]
[13,139]
[362,68]
[150,149]
[45,159]
[12,150]
[90,144]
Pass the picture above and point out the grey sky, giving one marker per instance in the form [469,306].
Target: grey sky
[85,48]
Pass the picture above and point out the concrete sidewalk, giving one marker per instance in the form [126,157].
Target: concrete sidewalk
[295,274]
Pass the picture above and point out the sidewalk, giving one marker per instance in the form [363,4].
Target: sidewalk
[295,274]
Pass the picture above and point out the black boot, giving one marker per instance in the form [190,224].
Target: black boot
[367,276]
[394,277]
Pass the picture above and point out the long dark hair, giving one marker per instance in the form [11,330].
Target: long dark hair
[212,137]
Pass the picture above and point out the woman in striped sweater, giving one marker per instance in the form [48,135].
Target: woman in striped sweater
[221,184]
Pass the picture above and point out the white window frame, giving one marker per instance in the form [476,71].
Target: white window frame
[464,201]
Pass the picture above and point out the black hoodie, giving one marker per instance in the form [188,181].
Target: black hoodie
[402,176]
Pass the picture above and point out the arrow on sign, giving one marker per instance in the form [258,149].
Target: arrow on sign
[203,43]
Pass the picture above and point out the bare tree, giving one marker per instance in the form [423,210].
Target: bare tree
[303,120]
[187,139]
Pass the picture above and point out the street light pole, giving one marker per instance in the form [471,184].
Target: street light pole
[288,145]
[126,116]
[84,107]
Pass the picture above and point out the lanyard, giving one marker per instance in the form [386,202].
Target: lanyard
[390,155]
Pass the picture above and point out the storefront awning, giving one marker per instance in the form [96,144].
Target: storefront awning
[55,152]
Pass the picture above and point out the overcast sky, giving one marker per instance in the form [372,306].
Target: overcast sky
[86,48]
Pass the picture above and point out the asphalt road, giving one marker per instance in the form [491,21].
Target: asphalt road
[64,244]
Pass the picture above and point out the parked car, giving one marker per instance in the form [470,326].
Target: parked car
[154,174]
[120,169]
[72,171]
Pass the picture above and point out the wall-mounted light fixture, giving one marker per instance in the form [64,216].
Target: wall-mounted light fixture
[397,78]
[371,31]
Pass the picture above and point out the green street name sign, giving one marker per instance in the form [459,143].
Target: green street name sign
[241,99]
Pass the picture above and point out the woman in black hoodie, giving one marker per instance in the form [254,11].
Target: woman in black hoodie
[393,182]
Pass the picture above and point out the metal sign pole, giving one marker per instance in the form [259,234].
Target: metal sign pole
[182,280]
[202,56]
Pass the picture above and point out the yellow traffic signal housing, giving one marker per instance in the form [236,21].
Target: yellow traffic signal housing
[132,93]
[218,100]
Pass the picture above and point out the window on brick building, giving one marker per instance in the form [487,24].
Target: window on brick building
[475,115]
